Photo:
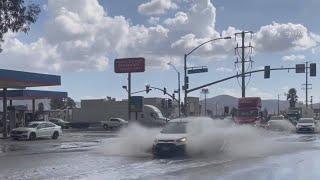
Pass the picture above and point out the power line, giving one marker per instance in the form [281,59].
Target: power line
[243,58]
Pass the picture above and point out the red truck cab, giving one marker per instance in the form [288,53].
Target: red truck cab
[249,110]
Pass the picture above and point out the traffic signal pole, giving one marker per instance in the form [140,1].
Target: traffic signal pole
[185,86]
[307,84]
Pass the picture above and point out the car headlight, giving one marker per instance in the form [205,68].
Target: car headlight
[182,140]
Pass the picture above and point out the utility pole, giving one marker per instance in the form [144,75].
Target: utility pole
[243,61]
[278,104]
[205,91]
[179,90]
[186,78]
[129,96]
[4,116]
[307,84]
[243,84]
[185,86]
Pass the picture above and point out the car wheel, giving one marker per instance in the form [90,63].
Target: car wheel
[105,127]
[55,135]
[32,136]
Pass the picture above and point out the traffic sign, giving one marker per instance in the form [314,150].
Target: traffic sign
[197,70]
[136,103]
[129,65]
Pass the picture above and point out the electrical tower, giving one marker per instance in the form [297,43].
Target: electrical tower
[245,58]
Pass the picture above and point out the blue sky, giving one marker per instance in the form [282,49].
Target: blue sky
[80,42]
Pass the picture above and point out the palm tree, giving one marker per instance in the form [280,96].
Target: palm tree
[292,97]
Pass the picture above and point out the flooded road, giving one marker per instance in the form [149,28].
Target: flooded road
[87,155]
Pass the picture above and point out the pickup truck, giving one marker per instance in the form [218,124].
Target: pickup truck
[113,123]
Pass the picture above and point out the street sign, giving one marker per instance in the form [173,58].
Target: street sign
[129,65]
[197,70]
[300,68]
[136,103]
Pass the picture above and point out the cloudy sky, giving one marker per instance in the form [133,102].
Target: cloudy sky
[79,40]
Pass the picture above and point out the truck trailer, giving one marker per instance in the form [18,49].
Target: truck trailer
[249,110]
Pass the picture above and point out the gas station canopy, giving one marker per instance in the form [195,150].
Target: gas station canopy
[20,79]
[33,94]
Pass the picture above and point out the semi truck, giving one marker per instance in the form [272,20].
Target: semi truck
[249,110]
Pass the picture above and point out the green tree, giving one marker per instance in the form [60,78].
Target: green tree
[62,103]
[69,103]
[57,103]
[292,97]
[16,16]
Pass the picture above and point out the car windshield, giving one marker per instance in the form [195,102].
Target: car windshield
[33,125]
[306,121]
[248,113]
[174,128]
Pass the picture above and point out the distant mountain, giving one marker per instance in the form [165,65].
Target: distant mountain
[216,104]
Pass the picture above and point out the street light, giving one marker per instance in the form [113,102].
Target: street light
[179,97]
[186,84]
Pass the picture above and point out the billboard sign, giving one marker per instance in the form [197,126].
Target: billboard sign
[129,65]
[136,104]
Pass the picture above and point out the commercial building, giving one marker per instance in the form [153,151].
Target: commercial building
[95,110]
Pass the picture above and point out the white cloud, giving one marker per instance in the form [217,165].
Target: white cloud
[179,19]
[293,58]
[153,20]
[81,36]
[156,7]
[282,37]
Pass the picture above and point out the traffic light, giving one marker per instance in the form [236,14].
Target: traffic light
[173,96]
[186,83]
[267,72]
[164,91]
[313,69]
[148,89]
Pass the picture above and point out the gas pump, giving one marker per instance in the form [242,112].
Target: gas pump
[17,116]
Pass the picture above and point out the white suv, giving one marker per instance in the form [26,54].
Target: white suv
[306,125]
[36,130]
[172,139]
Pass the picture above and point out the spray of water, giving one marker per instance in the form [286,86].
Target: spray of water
[205,137]
[134,140]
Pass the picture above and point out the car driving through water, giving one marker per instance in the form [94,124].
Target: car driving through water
[172,139]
